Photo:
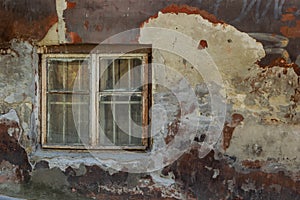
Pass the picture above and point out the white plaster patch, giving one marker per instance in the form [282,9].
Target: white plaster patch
[52,36]
[165,181]
[14,98]
[57,33]
[61,5]
[229,52]
[232,58]
[11,115]
[2,197]
[279,143]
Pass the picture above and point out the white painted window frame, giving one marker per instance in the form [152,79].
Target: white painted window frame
[94,95]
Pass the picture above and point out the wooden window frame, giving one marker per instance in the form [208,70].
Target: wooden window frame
[83,51]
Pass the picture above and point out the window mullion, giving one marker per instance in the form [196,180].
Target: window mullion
[79,106]
[45,132]
[93,100]
[65,70]
[96,93]
[145,101]
[129,105]
[113,103]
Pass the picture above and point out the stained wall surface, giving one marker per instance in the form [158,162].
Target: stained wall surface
[225,92]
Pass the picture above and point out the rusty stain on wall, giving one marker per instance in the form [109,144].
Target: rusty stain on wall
[255,16]
[75,38]
[13,153]
[216,179]
[26,20]
[71,4]
[228,129]
[257,154]
[202,44]
[291,32]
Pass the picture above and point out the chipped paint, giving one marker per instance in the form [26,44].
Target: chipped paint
[11,150]
[232,182]
[26,20]
[288,17]
[221,51]
[257,156]
[71,5]
[75,38]
[236,119]
[291,31]
[202,44]
[191,10]
[51,38]
[57,33]
[86,24]
[176,9]
[61,5]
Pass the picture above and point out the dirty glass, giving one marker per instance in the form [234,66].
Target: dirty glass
[67,102]
[118,109]
[68,75]
[120,74]
[117,118]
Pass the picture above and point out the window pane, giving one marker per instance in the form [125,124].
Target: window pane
[136,75]
[120,74]
[68,119]
[106,74]
[106,123]
[122,124]
[136,117]
[119,115]
[68,74]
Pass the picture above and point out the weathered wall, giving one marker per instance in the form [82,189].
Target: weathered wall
[28,20]
[19,65]
[253,156]
[94,21]
[260,100]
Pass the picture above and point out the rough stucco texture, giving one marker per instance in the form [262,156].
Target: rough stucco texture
[264,135]
[94,21]
[15,166]
[29,20]
[17,87]
[255,154]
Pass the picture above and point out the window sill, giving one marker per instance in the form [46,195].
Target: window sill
[92,148]
[73,158]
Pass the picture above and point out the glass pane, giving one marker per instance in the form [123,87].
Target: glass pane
[136,75]
[119,115]
[122,124]
[68,74]
[136,117]
[106,123]
[68,119]
[119,75]
[106,74]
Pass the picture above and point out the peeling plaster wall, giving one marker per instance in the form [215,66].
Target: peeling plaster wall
[232,54]
[57,33]
[18,88]
[270,132]
[28,20]
[95,25]
[256,154]
[267,98]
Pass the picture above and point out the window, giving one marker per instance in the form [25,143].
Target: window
[96,100]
